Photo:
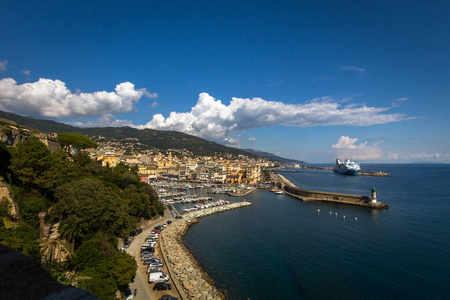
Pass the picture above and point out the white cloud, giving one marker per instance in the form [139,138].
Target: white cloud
[397,102]
[26,72]
[353,68]
[3,65]
[252,138]
[232,142]
[154,104]
[51,98]
[210,118]
[346,148]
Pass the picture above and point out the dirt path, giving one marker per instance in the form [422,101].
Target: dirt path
[144,289]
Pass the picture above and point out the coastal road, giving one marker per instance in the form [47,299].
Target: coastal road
[144,289]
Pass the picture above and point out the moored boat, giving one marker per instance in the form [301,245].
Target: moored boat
[346,167]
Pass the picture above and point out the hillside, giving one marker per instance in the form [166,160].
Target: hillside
[147,137]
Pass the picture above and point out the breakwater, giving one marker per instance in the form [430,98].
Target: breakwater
[307,195]
[194,281]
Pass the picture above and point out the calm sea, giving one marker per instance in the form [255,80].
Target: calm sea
[283,248]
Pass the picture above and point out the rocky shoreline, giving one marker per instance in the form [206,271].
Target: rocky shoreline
[194,281]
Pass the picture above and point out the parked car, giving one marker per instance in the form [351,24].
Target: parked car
[138,230]
[153,259]
[169,222]
[156,264]
[149,248]
[146,253]
[157,277]
[178,217]
[146,257]
[145,245]
[162,286]
[153,269]
[158,227]
[156,231]
[130,295]
[168,297]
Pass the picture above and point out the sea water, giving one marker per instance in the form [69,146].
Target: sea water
[283,248]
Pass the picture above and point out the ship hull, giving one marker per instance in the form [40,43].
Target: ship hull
[346,172]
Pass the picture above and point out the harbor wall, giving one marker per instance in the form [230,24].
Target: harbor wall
[195,282]
[307,195]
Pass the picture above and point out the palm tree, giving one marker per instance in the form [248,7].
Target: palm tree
[71,232]
[55,250]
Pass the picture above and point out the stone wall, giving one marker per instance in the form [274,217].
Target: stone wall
[195,282]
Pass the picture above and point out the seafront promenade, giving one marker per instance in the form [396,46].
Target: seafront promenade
[183,267]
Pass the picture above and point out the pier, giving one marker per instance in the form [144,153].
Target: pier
[306,195]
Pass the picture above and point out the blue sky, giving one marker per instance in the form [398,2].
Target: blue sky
[309,80]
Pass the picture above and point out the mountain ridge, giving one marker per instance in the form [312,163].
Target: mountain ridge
[148,137]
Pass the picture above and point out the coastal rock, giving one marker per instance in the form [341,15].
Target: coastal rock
[192,278]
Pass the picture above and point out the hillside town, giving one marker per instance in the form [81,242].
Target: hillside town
[180,164]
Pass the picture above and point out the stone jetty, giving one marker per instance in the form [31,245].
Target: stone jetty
[195,283]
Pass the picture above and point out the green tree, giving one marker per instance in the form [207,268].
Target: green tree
[71,231]
[23,239]
[5,159]
[5,206]
[97,206]
[33,164]
[30,205]
[108,269]
[55,250]
[78,141]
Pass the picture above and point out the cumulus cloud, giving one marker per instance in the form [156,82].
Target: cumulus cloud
[210,118]
[252,138]
[346,148]
[26,72]
[154,104]
[3,65]
[353,68]
[232,142]
[51,98]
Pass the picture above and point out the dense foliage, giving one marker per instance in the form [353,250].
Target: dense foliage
[92,204]
[74,140]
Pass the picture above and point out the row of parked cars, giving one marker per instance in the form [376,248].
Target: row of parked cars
[154,265]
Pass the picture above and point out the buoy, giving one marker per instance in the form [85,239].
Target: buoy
[356,219]
[330,212]
[336,214]
[344,217]
[318,210]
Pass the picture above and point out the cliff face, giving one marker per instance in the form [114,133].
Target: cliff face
[5,193]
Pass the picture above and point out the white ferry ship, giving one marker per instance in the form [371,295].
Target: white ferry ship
[346,167]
